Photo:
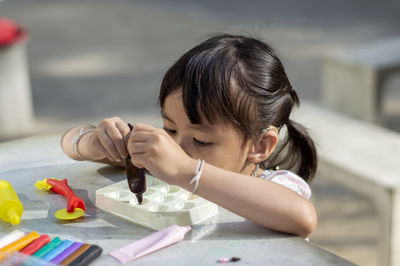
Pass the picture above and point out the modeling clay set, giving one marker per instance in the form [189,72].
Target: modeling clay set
[140,198]
[19,248]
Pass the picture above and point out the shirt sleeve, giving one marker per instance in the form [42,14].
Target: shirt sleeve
[291,181]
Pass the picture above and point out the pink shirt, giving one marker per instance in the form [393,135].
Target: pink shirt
[288,179]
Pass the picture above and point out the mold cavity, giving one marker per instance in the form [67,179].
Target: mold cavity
[173,189]
[154,182]
[185,205]
[119,194]
[188,196]
[113,195]
[149,192]
[163,189]
[165,199]
[193,196]
[135,202]
[185,196]
[169,189]
[158,208]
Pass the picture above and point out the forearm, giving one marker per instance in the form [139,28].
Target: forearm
[83,147]
[266,203]
[67,141]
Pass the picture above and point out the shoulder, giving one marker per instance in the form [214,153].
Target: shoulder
[289,180]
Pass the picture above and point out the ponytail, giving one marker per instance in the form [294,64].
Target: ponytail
[300,154]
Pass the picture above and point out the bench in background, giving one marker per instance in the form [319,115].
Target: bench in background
[354,80]
[366,158]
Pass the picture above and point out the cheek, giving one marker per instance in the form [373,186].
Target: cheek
[229,158]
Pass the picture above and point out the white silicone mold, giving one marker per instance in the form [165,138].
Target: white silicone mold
[162,205]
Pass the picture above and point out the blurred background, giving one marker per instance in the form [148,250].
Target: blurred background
[88,60]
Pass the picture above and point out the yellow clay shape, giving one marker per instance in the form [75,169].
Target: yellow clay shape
[11,208]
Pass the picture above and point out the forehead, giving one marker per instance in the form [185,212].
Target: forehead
[174,110]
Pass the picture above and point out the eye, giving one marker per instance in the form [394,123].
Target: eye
[201,143]
[170,131]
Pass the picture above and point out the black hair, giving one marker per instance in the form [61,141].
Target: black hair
[240,80]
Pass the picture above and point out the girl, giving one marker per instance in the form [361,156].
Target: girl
[223,104]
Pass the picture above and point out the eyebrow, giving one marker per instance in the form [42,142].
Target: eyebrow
[200,127]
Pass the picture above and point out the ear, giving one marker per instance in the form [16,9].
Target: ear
[260,151]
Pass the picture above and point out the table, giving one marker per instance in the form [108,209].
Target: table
[24,161]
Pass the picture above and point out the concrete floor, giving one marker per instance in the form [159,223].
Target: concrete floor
[94,59]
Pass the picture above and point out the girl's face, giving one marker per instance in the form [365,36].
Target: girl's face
[219,144]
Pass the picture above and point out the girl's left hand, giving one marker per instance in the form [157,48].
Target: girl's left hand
[154,149]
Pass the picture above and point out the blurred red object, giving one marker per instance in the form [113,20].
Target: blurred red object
[10,32]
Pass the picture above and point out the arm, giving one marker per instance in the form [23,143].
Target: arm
[264,202]
[67,140]
[105,144]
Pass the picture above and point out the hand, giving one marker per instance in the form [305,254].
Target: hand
[154,149]
[108,140]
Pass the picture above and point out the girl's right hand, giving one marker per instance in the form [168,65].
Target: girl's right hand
[108,141]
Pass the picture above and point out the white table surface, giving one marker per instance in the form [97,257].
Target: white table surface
[25,161]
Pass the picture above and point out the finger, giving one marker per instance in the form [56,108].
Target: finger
[108,145]
[143,127]
[118,141]
[140,136]
[124,129]
[102,150]
[136,161]
[137,148]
